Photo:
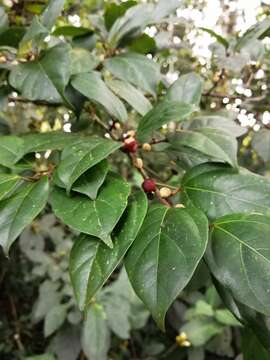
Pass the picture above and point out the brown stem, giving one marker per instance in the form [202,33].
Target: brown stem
[17,335]
[132,158]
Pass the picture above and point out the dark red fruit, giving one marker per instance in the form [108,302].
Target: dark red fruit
[149,185]
[130,145]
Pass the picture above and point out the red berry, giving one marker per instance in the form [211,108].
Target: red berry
[130,145]
[149,185]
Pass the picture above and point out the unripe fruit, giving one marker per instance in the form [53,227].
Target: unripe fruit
[149,185]
[165,192]
[130,145]
[147,147]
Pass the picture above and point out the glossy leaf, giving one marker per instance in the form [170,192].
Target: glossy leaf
[165,8]
[136,69]
[92,262]
[136,18]
[131,95]
[216,122]
[19,210]
[71,31]
[144,44]
[81,156]
[46,78]
[91,181]
[261,143]
[8,183]
[82,61]
[96,335]
[114,11]
[214,143]
[251,347]
[36,32]
[164,256]
[161,114]
[239,257]
[51,13]
[11,150]
[219,190]
[254,32]
[54,140]
[94,88]
[187,89]
[98,217]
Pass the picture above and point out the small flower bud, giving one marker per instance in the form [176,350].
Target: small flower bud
[138,163]
[131,133]
[180,206]
[117,126]
[147,147]
[182,340]
[3,59]
[165,192]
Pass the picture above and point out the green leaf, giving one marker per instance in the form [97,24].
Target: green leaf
[94,88]
[136,69]
[19,210]
[252,348]
[8,183]
[201,330]
[82,61]
[90,182]
[35,33]
[218,37]
[217,122]
[164,256]
[135,19]
[239,257]
[162,114]
[54,140]
[114,11]
[187,89]
[225,317]
[71,31]
[12,36]
[46,78]
[3,20]
[51,13]
[41,357]
[165,8]
[96,334]
[143,44]
[89,255]
[81,156]
[11,150]
[98,217]
[261,143]
[54,319]
[255,32]
[214,143]
[219,190]
[131,95]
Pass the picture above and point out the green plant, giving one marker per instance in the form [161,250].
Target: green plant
[143,178]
